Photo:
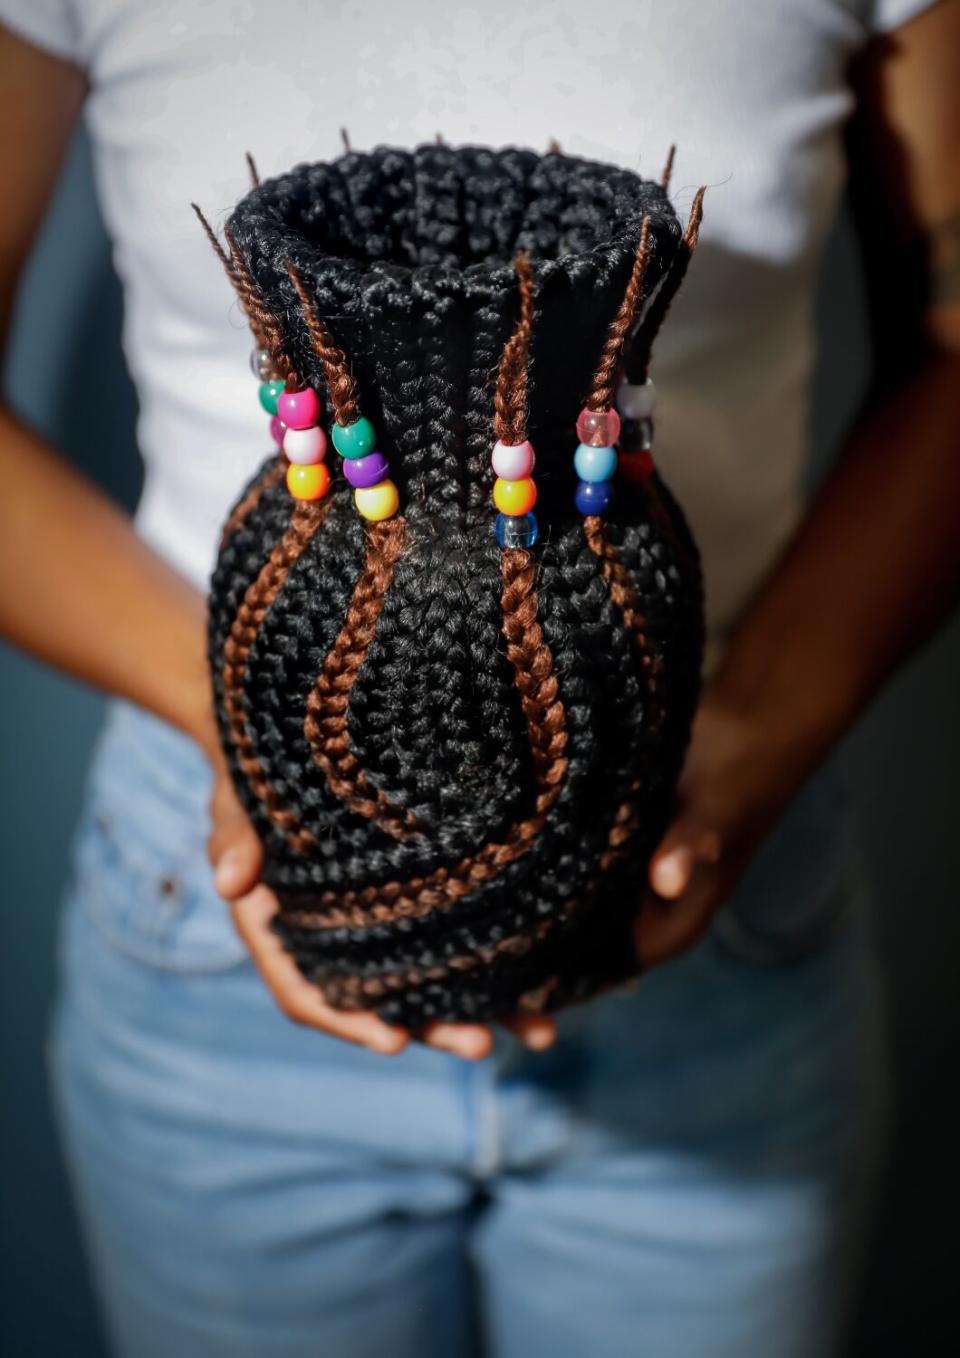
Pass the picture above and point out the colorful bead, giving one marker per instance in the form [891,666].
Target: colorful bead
[598,428]
[594,497]
[636,466]
[299,409]
[262,365]
[516,530]
[362,472]
[377,502]
[636,400]
[305,446]
[514,497]
[308,482]
[354,440]
[595,464]
[636,435]
[270,393]
[513,461]
[277,430]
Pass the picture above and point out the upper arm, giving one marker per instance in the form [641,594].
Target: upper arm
[905,176]
[40,97]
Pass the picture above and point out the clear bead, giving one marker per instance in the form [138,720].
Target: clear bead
[636,401]
[262,365]
[516,530]
[636,436]
[598,428]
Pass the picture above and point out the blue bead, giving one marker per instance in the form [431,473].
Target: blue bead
[594,497]
[595,464]
[516,530]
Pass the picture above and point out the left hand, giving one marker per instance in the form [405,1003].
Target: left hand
[735,784]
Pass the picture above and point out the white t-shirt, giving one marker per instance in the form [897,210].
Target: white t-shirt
[754,95]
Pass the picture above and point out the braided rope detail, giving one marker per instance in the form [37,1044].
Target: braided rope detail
[510,394]
[325,726]
[605,377]
[336,369]
[536,681]
[257,600]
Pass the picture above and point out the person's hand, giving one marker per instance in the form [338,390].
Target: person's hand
[237,857]
[736,782]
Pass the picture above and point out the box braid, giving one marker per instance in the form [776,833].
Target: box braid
[459,757]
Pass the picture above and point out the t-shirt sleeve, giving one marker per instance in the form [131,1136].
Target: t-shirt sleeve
[881,16]
[52,25]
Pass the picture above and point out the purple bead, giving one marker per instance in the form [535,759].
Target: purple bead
[277,430]
[367,470]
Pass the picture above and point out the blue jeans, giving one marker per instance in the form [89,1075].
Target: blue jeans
[685,1173]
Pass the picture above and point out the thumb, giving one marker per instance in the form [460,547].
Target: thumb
[233,846]
[686,843]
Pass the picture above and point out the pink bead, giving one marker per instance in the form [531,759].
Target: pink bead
[513,461]
[299,409]
[305,446]
[277,430]
[596,428]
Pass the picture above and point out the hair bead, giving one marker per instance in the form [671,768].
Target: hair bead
[354,440]
[299,409]
[635,400]
[308,482]
[595,464]
[594,497]
[377,502]
[598,428]
[270,394]
[363,472]
[277,430]
[514,497]
[305,446]
[262,365]
[513,461]
[516,530]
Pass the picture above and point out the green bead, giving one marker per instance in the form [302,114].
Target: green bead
[269,393]
[354,440]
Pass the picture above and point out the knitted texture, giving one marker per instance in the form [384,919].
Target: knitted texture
[459,758]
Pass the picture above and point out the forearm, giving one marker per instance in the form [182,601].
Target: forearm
[79,590]
[873,569]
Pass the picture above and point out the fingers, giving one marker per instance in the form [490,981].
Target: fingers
[536,1031]
[685,844]
[299,999]
[666,928]
[472,1041]
[233,846]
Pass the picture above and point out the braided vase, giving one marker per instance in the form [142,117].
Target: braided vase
[458,757]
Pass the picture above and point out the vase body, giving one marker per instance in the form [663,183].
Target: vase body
[458,758]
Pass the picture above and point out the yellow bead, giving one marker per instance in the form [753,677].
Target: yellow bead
[514,497]
[377,502]
[308,482]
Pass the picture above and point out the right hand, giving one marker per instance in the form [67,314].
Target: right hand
[237,857]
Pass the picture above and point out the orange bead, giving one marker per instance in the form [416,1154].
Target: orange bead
[514,497]
[308,482]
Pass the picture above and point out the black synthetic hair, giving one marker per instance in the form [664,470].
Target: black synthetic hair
[458,757]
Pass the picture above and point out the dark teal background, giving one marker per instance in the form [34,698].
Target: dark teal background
[65,371]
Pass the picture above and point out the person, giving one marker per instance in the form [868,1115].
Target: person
[679,1167]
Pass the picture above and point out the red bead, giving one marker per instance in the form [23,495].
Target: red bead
[636,466]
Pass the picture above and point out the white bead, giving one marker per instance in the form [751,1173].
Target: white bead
[636,402]
[305,446]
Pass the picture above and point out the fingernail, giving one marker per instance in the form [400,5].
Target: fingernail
[226,869]
[671,874]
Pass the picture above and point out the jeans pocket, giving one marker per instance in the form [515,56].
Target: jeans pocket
[139,860]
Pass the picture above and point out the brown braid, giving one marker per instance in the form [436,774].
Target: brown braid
[547,733]
[605,377]
[637,351]
[668,168]
[249,502]
[325,726]
[307,518]
[336,370]
[252,167]
[510,396]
